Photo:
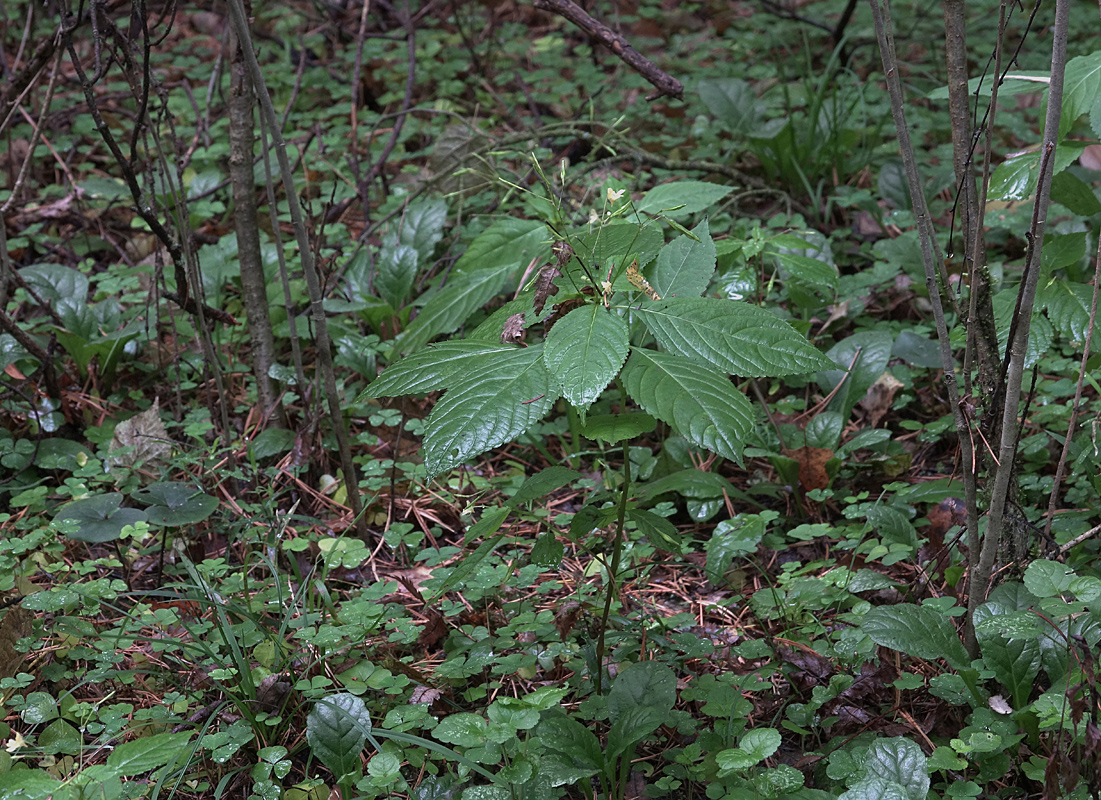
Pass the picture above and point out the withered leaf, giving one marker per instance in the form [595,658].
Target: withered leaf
[513,330]
[562,251]
[544,286]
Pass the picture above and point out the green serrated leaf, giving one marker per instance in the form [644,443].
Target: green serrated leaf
[395,271]
[148,753]
[422,225]
[615,428]
[1048,578]
[661,532]
[736,337]
[696,399]
[337,728]
[1040,335]
[509,242]
[1069,190]
[684,267]
[917,631]
[733,102]
[490,407]
[431,369]
[901,762]
[687,197]
[1081,87]
[1015,178]
[647,684]
[449,307]
[584,351]
[1068,307]
[543,483]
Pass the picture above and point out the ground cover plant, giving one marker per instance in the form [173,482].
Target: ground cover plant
[501,400]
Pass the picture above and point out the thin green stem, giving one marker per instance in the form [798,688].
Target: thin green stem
[613,570]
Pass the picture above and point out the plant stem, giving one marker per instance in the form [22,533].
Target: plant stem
[613,569]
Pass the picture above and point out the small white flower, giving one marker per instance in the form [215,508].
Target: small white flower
[594,217]
[615,194]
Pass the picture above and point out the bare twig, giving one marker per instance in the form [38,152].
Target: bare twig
[1019,330]
[665,83]
[313,283]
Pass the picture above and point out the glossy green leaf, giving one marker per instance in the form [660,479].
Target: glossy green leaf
[733,102]
[148,753]
[631,726]
[661,532]
[899,761]
[1081,88]
[336,731]
[738,338]
[433,368]
[918,631]
[1015,178]
[56,282]
[615,428]
[509,242]
[696,399]
[584,351]
[543,483]
[647,684]
[681,198]
[100,518]
[1048,578]
[1068,307]
[732,539]
[1015,659]
[422,224]
[573,740]
[172,503]
[488,407]
[1040,335]
[395,271]
[861,359]
[1069,190]
[448,308]
[613,246]
[685,266]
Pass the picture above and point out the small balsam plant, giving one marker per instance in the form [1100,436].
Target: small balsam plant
[616,304]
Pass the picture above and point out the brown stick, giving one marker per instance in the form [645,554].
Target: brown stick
[665,83]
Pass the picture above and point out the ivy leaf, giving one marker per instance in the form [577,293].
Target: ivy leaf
[684,267]
[738,338]
[489,405]
[918,631]
[585,351]
[431,369]
[336,730]
[449,307]
[696,399]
